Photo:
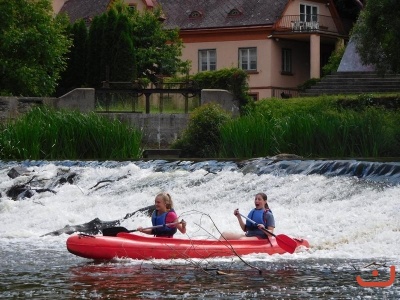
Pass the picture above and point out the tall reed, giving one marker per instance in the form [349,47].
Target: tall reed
[313,128]
[44,133]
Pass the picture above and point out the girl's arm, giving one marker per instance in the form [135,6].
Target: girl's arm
[241,223]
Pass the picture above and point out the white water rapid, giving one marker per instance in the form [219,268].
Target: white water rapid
[341,217]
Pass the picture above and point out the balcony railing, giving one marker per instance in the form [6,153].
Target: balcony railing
[309,23]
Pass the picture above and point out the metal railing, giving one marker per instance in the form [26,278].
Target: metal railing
[284,93]
[134,97]
[310,23]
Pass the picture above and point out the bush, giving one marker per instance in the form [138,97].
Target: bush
[202,136]
[308,83]
[333,62]
[232,79]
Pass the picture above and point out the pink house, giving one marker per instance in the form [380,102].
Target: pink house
[280,43]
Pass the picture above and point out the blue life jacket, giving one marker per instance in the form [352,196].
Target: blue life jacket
[260,217]
[161,220]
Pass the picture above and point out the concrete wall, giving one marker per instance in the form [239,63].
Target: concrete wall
[159,130]
[222,97]
[79,99]
[82,100]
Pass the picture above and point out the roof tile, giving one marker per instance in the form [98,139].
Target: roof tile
[81,9]
[215,13]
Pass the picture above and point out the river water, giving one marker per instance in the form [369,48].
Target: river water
[347,210]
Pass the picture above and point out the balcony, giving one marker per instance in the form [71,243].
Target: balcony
[304,26]
[310,23]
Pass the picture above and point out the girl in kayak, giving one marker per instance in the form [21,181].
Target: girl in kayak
[261,215]
[162,215]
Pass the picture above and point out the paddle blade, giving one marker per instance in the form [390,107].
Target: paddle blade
[113,231]
[286,243]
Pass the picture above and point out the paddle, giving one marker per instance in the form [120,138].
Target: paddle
[286,243]
[113,231]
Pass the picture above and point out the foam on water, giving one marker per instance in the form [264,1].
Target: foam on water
[341,217]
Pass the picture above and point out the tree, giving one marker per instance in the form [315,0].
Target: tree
[157,50]
[33,45]
[75,74]
[125,44]
[348,9]
[94,62]
[376,35]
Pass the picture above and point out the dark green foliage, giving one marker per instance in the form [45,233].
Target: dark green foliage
[109,44]
[123,61]
[308,83]
[233,80]
[202,136]
[95,71]
[333,62]
[157,51]
[75,74]
[124,45]
[377,35]
[44,133]
[363,101]
[33,45]
[347,9]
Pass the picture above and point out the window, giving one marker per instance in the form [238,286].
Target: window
[207,60]
[254,96]
[248,59]
[286,60]
[308,13]
[234,12]
[195,14]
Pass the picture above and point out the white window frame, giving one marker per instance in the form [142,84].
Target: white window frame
[308,13]
[286,61]
[248,59]
[207,60]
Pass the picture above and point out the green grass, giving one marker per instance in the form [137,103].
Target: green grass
[312,127]
[125,103]
[44,133]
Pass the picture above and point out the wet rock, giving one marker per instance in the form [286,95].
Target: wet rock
[96,225]
[286,156]
[18,171]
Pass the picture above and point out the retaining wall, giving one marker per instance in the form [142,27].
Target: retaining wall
[159,130]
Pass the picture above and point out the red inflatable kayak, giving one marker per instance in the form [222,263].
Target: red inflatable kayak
[127,245]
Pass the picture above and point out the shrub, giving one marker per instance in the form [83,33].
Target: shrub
[230,79]
[202,136]
[308,83]
[333,62]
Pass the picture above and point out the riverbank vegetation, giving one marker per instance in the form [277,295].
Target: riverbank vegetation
[325,126]
[47,134]
[364,126]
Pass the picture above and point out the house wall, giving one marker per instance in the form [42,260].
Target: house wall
[227,57]
[305,55]
[293,7]
[269,53]
[141,5]
[309,49]
[57,4]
